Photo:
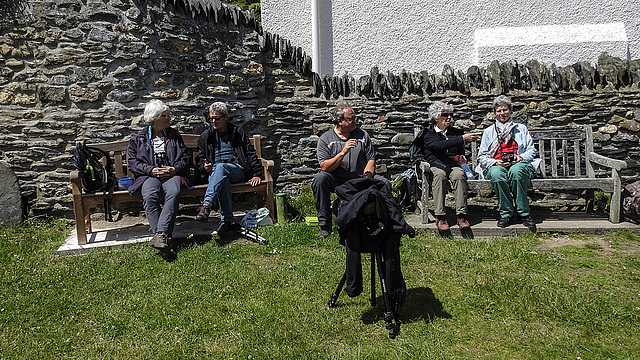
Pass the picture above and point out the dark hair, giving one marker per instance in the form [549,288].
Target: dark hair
[338,111]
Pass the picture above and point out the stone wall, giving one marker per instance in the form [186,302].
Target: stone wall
[82,70]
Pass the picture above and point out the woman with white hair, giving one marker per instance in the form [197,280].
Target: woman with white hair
[444,151]
[158,159]
[226,154]
[506,158]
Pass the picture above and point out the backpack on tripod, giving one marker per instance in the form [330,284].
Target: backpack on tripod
[96,176]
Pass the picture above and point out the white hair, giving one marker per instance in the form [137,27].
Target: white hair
[435,110]
[154,110]
[220,107]
[502,100]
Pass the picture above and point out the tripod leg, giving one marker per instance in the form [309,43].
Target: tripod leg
[334,297]
[388,313]
[373,280]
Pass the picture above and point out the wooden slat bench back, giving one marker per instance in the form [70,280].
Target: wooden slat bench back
[568,162]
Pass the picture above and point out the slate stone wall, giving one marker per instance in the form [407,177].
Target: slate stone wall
[82,70]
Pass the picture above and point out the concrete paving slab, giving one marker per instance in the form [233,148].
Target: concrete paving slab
[484,223]
[133,230]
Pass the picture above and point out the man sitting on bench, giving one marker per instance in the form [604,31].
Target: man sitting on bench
[225,152]
[344,153]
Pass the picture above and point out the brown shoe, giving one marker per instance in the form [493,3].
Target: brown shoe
[159,241]
[442,224]
[463,223]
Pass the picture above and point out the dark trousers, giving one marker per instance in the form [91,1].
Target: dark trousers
[393,274]
[161,218]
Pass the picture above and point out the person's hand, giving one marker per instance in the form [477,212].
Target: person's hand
[350,144]
[169,171]
[503,163]
[159,172]
[461,159]
[255,181]
[367,174]
[207,166]
[472,137]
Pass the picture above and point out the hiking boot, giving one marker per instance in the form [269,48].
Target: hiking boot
[223,228]
[203,213]
[528,222]
[159,241]
[323,234]
[442,224]
[463,223]
[504,222]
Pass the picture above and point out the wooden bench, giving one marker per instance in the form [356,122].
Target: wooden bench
[83,203]
[568,162]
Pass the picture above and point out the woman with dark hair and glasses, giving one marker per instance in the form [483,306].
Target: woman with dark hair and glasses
[158,159]
[444,151]
[225,152]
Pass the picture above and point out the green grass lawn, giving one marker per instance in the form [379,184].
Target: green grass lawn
[503,298]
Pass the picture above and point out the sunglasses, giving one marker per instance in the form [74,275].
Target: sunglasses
[446,115]
[215,118]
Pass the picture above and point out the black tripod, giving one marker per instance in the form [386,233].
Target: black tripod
[369,222]
[389,314]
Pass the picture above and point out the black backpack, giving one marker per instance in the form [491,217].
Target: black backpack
[631,202]
[416,150]
[96,177]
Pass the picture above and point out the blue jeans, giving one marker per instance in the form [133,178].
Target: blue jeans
[161,219]
[219,189]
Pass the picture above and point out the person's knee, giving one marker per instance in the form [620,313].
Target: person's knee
[457,174]
[321,181]
[497,174]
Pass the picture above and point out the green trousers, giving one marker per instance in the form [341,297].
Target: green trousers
[511,185]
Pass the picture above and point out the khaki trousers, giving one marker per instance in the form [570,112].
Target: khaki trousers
[440,186]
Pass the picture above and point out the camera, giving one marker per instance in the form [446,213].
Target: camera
[160,160]
[508,157]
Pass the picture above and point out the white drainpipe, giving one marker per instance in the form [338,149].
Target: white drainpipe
[315,37]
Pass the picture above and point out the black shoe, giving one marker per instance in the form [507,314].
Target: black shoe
[203,213]
[528,222]
[323,234]
[504,222]
[223,228]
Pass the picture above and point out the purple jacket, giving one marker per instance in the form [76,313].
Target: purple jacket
[140,157]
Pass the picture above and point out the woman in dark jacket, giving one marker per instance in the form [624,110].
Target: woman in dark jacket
[159,161]
[225,152]
[444,151]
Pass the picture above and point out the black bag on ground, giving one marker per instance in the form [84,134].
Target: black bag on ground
[631,202]
[96,176]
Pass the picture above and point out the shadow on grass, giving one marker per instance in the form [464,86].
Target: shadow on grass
[171,254]
[420,304]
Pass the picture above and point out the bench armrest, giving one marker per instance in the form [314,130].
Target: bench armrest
[76,182]
[424,168]
[607,161]
[268,165]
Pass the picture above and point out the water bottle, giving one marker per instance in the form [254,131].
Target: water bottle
[468,171]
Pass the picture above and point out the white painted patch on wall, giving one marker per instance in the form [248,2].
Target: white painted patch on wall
[614,35]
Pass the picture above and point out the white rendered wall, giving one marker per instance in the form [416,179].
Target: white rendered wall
[425,35]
